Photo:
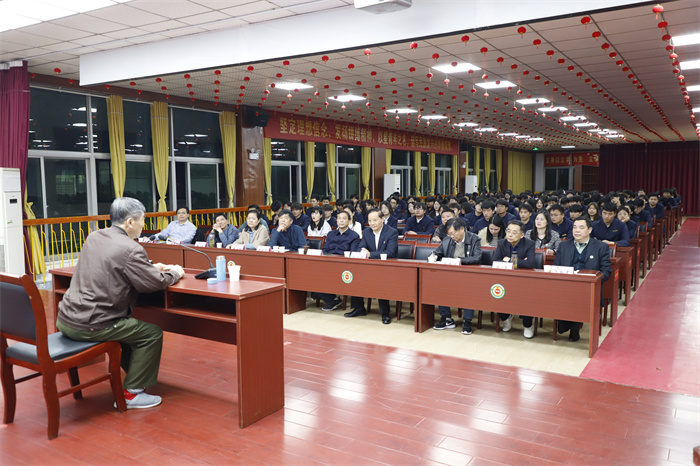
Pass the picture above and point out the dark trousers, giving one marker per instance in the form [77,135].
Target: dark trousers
[357,302]
[445,312]
[527,320]
[327,298]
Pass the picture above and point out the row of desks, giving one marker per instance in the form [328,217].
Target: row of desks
[528,292]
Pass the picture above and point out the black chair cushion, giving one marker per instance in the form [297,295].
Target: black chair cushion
[405,251]
[60,347]
[487,256]
[422,253]
[314,243]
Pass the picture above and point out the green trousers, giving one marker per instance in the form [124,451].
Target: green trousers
[142,344]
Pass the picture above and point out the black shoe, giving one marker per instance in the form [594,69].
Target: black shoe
[467,327]
[333,306]
[386,320]
[445,322]
[360,311]
[574,334]
[562,326]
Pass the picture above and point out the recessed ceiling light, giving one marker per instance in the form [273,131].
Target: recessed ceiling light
[508,134]
[495,85]
[568,147]
[688,39]
[613,135]
[466,124]
[287,86]
[400,111]
[459,68]
[346,98]
[433,117]
[485,130]
[522,136]
[572,118]
[536,139]
[536,100]
[695,87]
[690,65]
[552,109]
[584,125]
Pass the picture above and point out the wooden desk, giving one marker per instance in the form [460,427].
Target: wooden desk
[166,253]
[611,287]
[245,313]
[268,264]
[626,257]
[391,279]
[637,258]
[529,292]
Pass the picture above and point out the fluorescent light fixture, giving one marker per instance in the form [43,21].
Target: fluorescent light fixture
[508,134]
[522,136]
[613,135]
[401,111]
[460,68]
[485,130]
[433,117]
[585,125]
[568,147]
[466,124]
[594,130]
[696,110]
[693,88]
[536,100]
[287,86]
[688,39]
[79,124]
[494,85]
[690,65]
[346,97]
[536,139]
[572,118]
[552,109]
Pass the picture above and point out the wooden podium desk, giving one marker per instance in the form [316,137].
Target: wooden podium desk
[528,292]
[245,313]
[391,279]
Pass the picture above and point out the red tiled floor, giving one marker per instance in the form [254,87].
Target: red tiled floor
[656,342]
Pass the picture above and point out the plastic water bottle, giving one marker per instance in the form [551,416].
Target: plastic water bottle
[221,268]
[514,260]
[211,239]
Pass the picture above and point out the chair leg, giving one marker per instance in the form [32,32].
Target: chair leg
[9,393]
[554,333]
[498,322]
[410,308]
[53,408]
[478,319]
[369,305]
[115,379]
[345,302]
[399,304]
[74,379]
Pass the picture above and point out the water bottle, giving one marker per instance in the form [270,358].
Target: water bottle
[514,260]
[220,268]
[211,239]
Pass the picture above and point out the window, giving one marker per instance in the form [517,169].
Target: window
[58,121]
[557,178]
[137,128]
[402,164]
[348,171]
[66,187]
[34,187]
[138,184]
[287,170]
[196,134]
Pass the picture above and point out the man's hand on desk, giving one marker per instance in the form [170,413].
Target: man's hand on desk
[167,268]
[365,252]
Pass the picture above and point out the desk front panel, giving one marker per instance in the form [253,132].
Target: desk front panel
[165,253]
[267,264]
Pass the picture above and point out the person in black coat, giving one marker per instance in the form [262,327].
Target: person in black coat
[583,253]
[378,239]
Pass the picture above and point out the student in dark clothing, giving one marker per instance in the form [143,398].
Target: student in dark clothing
[419,224]
[299,217]
[396,210]
[609,229]
[515,243]
[575,211]
[441,231]
[502,211]
[488,209]
[623,215]
[640,214]
[583,253]
[560,224]
[389,219]
[287,234]
[668,201]
[525,213]
[655,209]
[328,211]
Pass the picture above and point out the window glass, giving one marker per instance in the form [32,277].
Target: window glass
[203,183]
[196,134]
[281,187]
[352,180]
[223,190]
[100,126]
[349,154]
[180,185]
[66,187]
[58,121]
[320,181]
[443,160]
[320,148]
[286,150]
[138,184]
[34,188]
[400,157]
[424,159]
[137,128]
[105,187]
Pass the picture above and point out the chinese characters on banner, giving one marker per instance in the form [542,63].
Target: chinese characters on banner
[287,126]
[569,159]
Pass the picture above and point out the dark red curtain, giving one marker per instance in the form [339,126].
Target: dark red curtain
[653,167]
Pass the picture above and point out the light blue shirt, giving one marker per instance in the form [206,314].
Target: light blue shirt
[183,233]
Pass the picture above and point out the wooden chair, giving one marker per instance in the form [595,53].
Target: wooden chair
[23,319]
[315,242]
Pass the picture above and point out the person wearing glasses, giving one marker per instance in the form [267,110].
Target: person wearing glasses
[180,230]
[515,244]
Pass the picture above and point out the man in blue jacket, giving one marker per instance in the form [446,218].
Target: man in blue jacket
[287,234]
[378,239]
[583,253]
[609,229]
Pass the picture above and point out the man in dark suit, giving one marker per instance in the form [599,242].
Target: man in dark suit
[516,244]
[583,253]
[378,239]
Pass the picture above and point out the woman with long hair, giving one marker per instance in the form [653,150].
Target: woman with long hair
[543,235]
[495,231]
[593,211]
[318,225]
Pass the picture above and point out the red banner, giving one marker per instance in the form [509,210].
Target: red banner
[557,160]
[586,158]
[288,126]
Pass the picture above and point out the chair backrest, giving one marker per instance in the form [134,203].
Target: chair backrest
[643,226]
[201,234]
[635,235]
[405,249]
[315,242]
[539,258]
[422,238]
[22,316]
[487,255]
[613,249]
[423,250]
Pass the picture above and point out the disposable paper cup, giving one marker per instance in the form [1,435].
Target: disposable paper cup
[301,250]
[432,258]
[382,256]
[234,272]
[347,253]
[219,245]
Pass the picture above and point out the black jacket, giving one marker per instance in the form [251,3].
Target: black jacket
[472,249]
[597,256]
[526,252]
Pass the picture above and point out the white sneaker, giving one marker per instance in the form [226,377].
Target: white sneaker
[529,332]
[140,400]
[508,324]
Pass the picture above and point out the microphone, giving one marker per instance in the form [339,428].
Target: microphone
[152,238]
[211,273]
[162,236]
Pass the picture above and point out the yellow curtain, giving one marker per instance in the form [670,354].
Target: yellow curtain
[431,173]
[227,123]
[366,169]
[310,151]
[38,263]
[455,173]
[159,131]
[267,168]
[519,171]
[487,167]
[477,162]
[330,168]
[115,124]
[499,168]
[388,161]
[417,172]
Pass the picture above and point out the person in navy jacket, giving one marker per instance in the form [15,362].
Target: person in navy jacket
[655,209]
[378,239]
[287,234]
[389,219]
[337,242]
[609,229]
[640,214]
[299,217]
[419,223]
[560,224]
[583,253]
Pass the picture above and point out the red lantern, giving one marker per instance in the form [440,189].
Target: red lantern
[537,43]
[187,76]
[613,54]
[324,58]
[368,52]
[513,66]
[500,60]
[522,30]
[391,62]
[436,56]
[412,69]
[285,63]
[585,21]
[70,81]
[662,24]
[57,70]
[250,68]
[351,66]
[666,37]
[571,68]
[483,50]
[158,80]
[373,73]
[337,78]
[132,83]
[279,75]
[413,45]
[484,76]
[217,72]
[163,88]
[561,61]
[605,46]
[465,39]
[189,85]
[446,81]
[430,76]
[596,35]
[657,9]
